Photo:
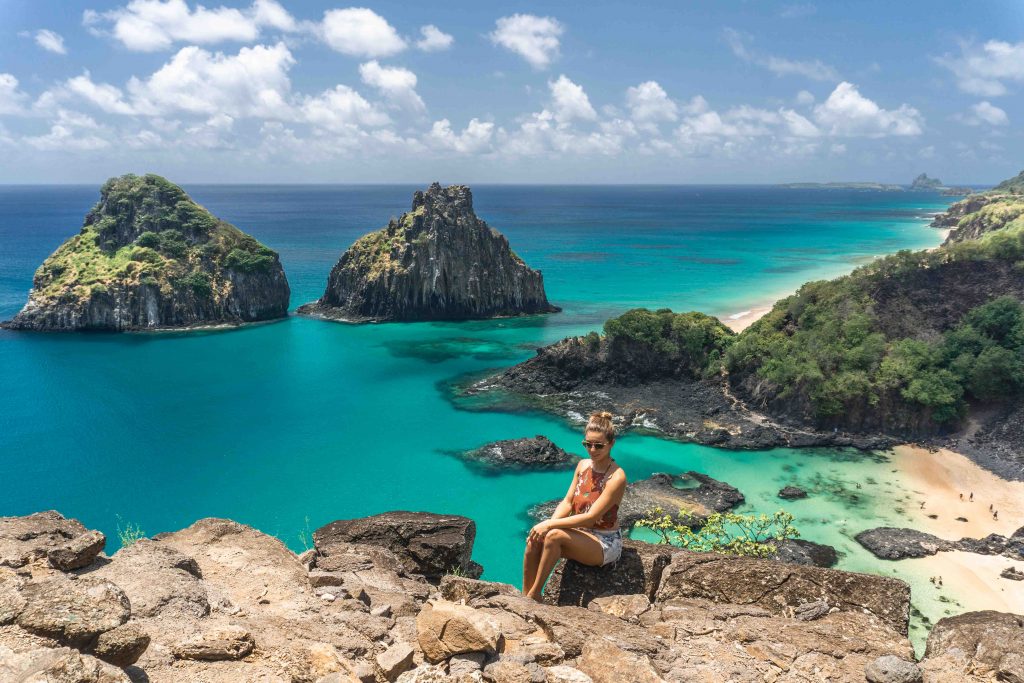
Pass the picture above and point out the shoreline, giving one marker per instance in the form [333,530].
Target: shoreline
[938,478]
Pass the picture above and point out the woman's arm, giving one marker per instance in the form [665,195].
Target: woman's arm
[612,495]
[564,506]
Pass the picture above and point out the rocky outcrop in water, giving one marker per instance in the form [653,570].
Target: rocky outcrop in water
[221,602]
[923,182]
[148,257]
[436,262]
[515,454]
[890,543]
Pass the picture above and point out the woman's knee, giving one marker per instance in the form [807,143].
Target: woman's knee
[555,537]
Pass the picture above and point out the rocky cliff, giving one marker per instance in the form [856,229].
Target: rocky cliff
[436,262]
[148,257]
[221,602]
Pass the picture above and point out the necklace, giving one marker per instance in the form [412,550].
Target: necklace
[610,463]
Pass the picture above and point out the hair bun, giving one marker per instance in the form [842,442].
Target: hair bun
[605,414]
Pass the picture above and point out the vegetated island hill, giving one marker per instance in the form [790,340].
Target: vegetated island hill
[148,257]
[436,262]
[925,345]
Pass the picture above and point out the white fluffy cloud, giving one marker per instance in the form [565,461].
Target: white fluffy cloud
[50,41]
[474,139]
[360,32]
[985,112]
[848,113]
[649,104]
[252,83]
[535,39]
[12,99]
[396,83]
[433,39]
[341,109]
[103,95]
[149,25]
[985,70]
[569,101]
[780,66]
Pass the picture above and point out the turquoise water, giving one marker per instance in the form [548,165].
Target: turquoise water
[277,424]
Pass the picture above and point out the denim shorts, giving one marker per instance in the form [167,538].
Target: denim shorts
[611,543]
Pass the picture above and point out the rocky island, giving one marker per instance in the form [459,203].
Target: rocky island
[924,183]
[148,257]
[438,261]
[385,599]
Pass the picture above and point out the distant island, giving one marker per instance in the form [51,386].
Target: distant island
[438,261]
[148,257]
[922,183]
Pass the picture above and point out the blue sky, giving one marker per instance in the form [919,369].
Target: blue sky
[639,92]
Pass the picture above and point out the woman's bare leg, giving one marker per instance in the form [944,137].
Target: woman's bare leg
[531,560]
[571,544]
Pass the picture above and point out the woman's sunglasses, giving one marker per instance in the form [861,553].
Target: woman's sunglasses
[594,444]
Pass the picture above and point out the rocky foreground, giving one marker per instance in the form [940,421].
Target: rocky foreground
[438,261]
[390,598]
[148,257]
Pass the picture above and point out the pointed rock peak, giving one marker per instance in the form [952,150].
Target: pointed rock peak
[454,197]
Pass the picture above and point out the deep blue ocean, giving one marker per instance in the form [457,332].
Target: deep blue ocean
[290,425]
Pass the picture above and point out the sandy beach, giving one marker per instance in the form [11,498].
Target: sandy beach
[938,479]
[737,322]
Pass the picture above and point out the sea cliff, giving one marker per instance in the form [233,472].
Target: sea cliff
[148,257]
[438,261]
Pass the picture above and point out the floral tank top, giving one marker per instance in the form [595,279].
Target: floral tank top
[589,486]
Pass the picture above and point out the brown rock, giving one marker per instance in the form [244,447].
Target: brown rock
[225,643]
[781,588]
[395,660]
[444,629]
[11,601]
[566,674]
[56,665]
[158,579]
[428,544]
[990,640]
[638,571]
[628,607]
[32,537]
[73,612]
[463,589]
[604,662]
[121,646]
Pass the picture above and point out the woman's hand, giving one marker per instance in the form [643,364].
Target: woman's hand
[538,531]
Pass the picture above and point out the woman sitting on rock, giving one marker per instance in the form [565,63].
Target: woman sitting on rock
[584,527]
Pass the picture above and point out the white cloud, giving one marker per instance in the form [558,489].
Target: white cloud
[252,83]
[804,98]
[535,39]
[71,131]
[848,113]
[107,97]
[569,101]
[434,39]
[780,66]
[985,71]
[150,25]
[341,110]
[396,83]
[649,104]
[476,138]
[986,112]
[360,32]
[12,100]
[50,41]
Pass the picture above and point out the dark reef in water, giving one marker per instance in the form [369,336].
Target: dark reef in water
[148,257]
[436,262]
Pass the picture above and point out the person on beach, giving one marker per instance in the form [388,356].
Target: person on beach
[585,526]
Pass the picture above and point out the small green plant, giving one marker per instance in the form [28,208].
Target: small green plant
[456,570]
[128,532]
[306,536]
[727,533]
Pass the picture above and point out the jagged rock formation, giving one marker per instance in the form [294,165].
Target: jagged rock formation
[889,543]
[436,262]
[539,452]
[220,602]
[149,257]
[923,182]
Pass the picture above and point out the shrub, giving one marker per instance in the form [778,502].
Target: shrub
[727,533]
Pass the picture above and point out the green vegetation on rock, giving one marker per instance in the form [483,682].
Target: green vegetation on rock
[728,533]
[694,340]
